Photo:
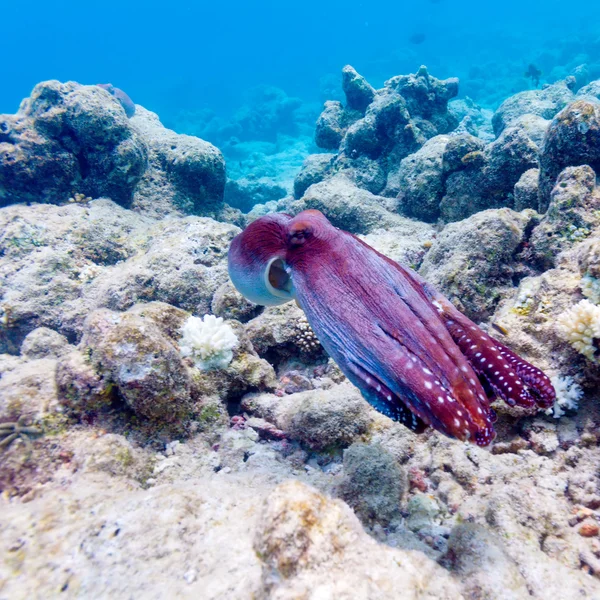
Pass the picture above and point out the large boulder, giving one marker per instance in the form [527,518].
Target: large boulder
[545,103]
[378,128]
[72,142]
[573,139]
[473,261]
[66,139]
[185,175]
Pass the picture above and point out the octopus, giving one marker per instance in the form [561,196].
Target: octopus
[412,354]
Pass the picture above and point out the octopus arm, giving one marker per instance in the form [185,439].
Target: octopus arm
[506,374]
[382,399]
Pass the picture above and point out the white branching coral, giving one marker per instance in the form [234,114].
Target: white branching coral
[208,342]
[568,395]
[590,287]
[580,326]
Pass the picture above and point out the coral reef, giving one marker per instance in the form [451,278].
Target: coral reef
[383,125]
[570,217]
[439,157]
[61,263]
[69,140]
[474,262]
[271,477]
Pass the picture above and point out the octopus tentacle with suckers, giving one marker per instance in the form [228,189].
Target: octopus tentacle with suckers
[412,354]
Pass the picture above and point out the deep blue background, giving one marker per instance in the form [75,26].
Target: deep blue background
[190,55]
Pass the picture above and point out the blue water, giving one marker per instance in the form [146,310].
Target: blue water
[188,56]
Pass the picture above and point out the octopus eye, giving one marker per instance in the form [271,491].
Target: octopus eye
[278,278]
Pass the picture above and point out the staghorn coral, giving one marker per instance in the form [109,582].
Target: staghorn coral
[580,326]
[208,341]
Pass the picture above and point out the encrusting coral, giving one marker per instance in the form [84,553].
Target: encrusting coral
[208,341]
[580,326]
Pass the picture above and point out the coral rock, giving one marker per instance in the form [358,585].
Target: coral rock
[313,170]
[545,103]
[104,155]
[185,174]
[333,124]
[145,366]
[571,215]
[359,94]
[347,206]
[309,542]
[473,261]
[44,343]
[421,180]
[319,418]
[573,139]
[230,304]
[427,97]
[526,190]
[373,483]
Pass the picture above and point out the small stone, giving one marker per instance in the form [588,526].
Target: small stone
[584,513]
[589,528]
[190,576]
[422,511]
[416,479]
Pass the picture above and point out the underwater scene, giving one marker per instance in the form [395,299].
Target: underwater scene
[300,301]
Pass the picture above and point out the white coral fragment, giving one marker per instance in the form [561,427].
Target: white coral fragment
[580,326]
[590,287]
[568,395]
[208,341]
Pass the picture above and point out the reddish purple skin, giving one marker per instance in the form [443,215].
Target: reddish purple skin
[412,354]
